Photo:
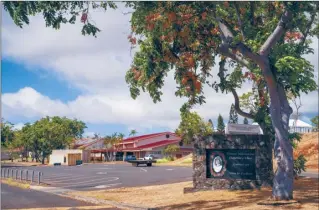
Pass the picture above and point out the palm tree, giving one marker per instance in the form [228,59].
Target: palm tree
[133,132]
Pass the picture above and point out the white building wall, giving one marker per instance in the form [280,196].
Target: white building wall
[57,156]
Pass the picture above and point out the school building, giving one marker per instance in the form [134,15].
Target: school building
[139,146]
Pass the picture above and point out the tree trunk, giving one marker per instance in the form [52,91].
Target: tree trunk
[283,151]
[43,158]
[280,112]
[36,156]
[108,156]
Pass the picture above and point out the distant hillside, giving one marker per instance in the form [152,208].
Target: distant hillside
[309,147]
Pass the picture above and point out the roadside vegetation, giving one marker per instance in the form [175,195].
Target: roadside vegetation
[40,138]
[164,160]
[11,182]
[184,161]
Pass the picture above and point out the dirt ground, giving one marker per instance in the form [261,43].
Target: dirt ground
[309,147]
[171,196]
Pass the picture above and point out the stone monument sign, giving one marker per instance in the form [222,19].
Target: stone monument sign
[237,161]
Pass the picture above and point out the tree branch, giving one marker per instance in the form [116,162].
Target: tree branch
[226,35]
[237,107]
[308,27]
[239,20]
[277,34]
[127,13]
[224,50]
[227,38]
[223,80]
[252,11]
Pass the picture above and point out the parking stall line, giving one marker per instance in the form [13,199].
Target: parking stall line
[92,181]
[63,177]
[102,168]
[142,169]
[76,178]
[105,186]
[55,175]
[56,179]
[49,176]
[101,173]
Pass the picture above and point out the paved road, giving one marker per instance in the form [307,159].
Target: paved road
[310,174]
[15,198]
[105,176]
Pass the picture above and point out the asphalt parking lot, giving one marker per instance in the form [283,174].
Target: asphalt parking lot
[106,176]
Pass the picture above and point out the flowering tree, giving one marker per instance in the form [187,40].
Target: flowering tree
[261,41]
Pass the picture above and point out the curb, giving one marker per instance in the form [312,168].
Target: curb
[112,203]
[63,193]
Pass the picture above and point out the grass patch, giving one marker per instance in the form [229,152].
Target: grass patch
[187,161]
[171,196]
[11,182]
[163,160]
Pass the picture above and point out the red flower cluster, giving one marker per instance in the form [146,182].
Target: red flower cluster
[132,39]
[293,36]
[84,17]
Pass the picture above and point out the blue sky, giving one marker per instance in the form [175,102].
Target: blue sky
[16,76]
[49,72]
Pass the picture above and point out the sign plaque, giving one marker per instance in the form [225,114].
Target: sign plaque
[232,129]
[231,163]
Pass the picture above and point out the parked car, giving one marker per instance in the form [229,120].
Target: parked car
[130,157]
[149,157]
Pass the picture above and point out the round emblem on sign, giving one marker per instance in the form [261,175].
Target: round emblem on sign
[218,164]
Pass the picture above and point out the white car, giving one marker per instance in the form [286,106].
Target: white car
[149,157]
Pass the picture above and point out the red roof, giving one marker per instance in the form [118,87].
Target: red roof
[153,145]
[93,141]
[147,136]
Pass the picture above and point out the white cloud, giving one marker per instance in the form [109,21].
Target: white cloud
[97,66]
[18,126]
[88,134]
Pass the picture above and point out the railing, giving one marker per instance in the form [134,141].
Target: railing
[22,175]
